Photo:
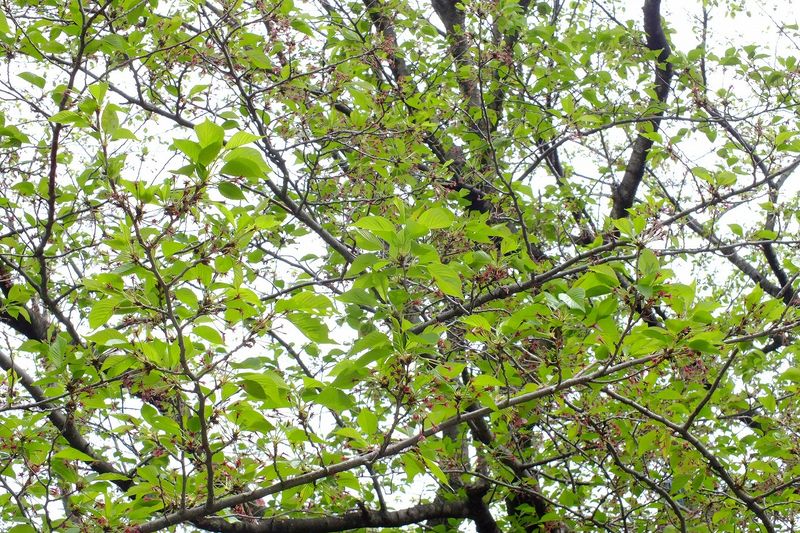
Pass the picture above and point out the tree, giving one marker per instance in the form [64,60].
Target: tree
[321,266]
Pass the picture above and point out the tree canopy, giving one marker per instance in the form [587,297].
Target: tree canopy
[313,266]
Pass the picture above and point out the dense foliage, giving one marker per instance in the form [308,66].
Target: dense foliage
[492,265]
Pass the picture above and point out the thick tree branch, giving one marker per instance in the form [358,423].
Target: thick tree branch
[36,328]
[479,510]
[347,521]
[625,193]
[196,513]
[454,19]
[385,26]
[64,424]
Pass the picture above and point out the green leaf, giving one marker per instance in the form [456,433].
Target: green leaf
[210,334]
[486,381]
[447,279]
[436,470]
[304,301]
[791,374]
[170,248]
[356,440]
[246,162]
[108,337]
[358,297]
[765,235]
[102,311]
[209,133]
[69,117]
[187,297]
[606,275]
[648,262]
[5,29]
[375,223]
[98,91]
[574,298]
[268,386]
[477,321]
[33,79]
[197,89]
[230,191]
[436,218]
[368,422]
[310,326]
[240,138]
[334,399]
[361,263]
[23,528]
[302,27]
[109,121]
[121,134]
[71,454]
[189,148]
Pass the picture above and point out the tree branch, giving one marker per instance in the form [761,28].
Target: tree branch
[351,520]
[195,513]
[65,426]
[713,462]
[624,194]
